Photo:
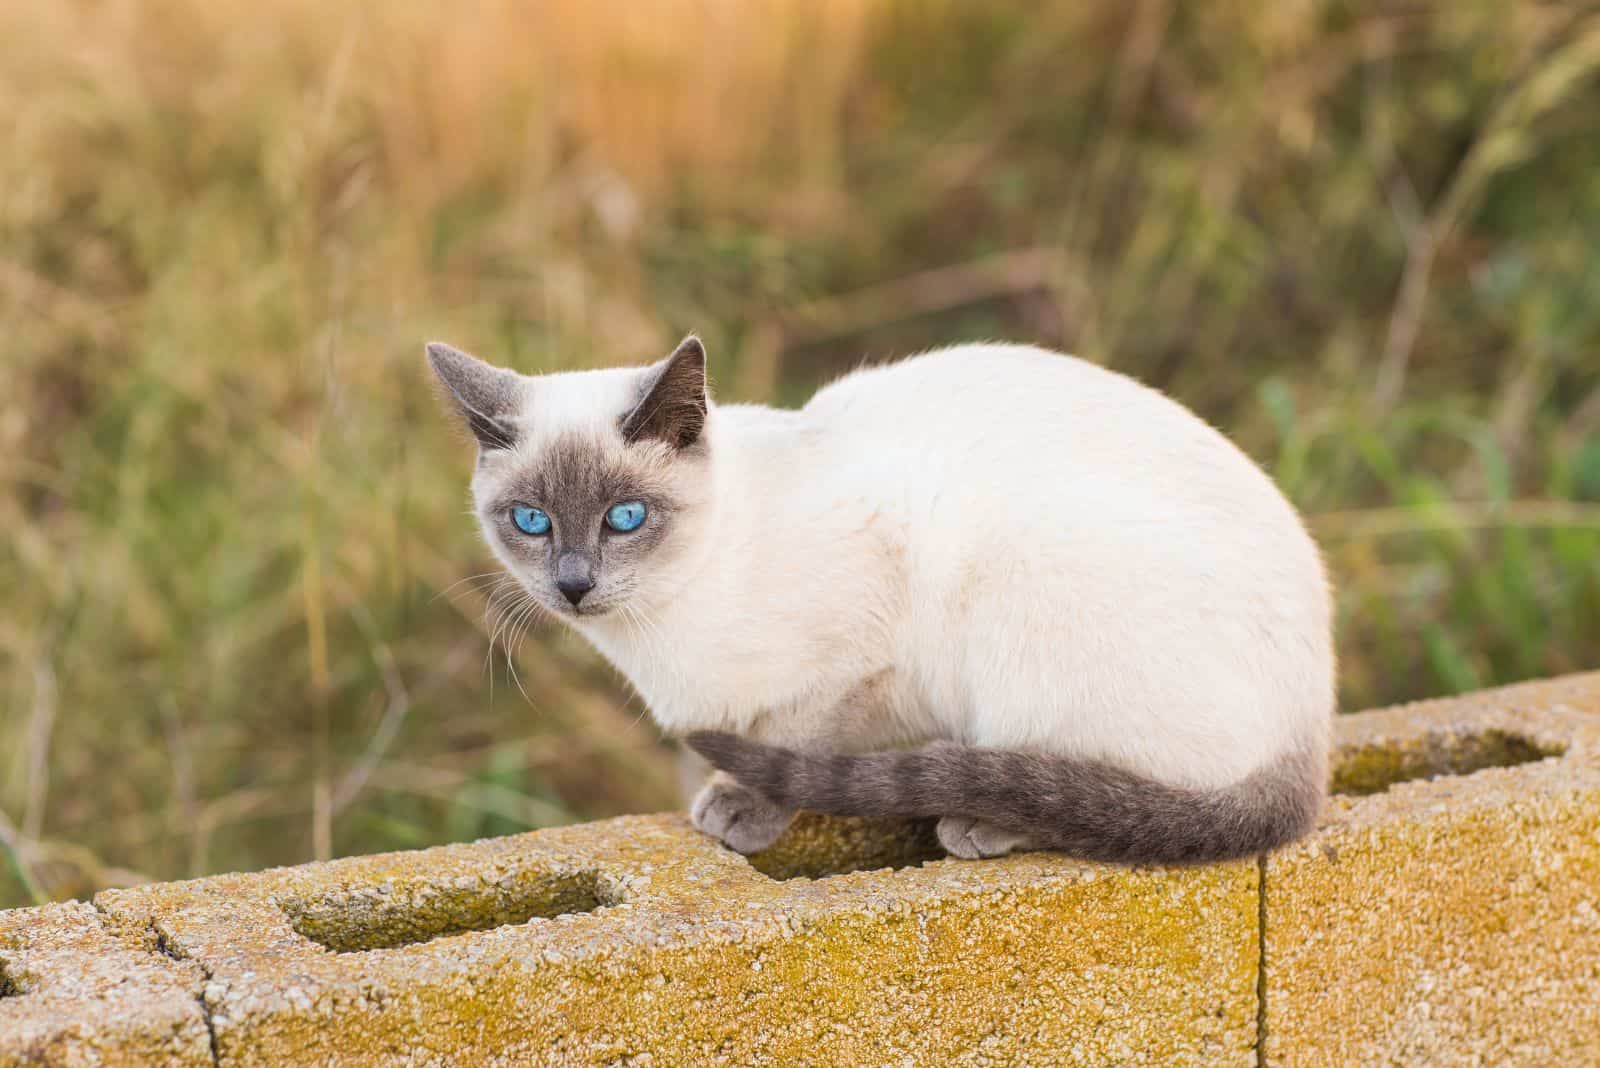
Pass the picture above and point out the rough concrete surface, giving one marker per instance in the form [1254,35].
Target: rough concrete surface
[1452,921]
[76,990]
[1444,913]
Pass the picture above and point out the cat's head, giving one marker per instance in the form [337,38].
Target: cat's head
[591,486]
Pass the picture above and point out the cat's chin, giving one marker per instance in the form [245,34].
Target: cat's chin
[584,613]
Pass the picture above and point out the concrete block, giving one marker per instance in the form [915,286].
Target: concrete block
[639,941]
[76,990]
[1451,920]
[1447,911]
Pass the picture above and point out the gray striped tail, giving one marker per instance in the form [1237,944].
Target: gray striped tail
[1086,808]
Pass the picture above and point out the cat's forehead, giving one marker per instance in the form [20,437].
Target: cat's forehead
[570,451]
[579,402]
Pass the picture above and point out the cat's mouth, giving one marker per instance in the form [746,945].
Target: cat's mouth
[583,610]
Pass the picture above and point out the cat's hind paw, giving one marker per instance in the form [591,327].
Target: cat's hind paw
[972,839]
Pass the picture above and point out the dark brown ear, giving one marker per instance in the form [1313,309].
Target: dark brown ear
[485,395]
[673,406]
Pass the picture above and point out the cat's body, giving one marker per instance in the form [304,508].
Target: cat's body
[991,545]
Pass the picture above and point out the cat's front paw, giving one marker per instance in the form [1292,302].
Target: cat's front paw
[972,839]
[741,818]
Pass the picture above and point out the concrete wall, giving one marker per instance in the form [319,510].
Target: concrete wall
[1446,912]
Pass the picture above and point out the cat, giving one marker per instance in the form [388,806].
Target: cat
[991,584]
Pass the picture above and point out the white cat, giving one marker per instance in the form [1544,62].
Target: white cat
[1111,624]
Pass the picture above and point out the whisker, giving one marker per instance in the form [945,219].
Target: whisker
[651,635]
[526,620]
[462,581]
[504,601]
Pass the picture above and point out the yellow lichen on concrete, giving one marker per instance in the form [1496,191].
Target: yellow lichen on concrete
[74,991]
[689,955]
[1452,921]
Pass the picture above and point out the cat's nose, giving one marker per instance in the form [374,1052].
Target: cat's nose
[574,575]
[575,589]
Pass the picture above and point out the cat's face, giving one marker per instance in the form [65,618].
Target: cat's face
[590,486]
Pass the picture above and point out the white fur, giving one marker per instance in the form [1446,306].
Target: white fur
[991,544]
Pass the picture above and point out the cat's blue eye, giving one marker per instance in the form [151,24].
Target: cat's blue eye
[625,516]
[530,520]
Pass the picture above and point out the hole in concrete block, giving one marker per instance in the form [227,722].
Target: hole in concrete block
[1372,769]
[8,986]
[819,847]
[391,915]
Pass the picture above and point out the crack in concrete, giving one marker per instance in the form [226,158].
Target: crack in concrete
[205,1009]
[165,950]
[1261,961]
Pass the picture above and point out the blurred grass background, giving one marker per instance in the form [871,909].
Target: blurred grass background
[1364,238]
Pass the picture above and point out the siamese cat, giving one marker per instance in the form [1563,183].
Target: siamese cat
[993,585]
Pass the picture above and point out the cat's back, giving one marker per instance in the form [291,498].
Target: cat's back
[1017,416]
[941,380]
[1007,451]
[977,391]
